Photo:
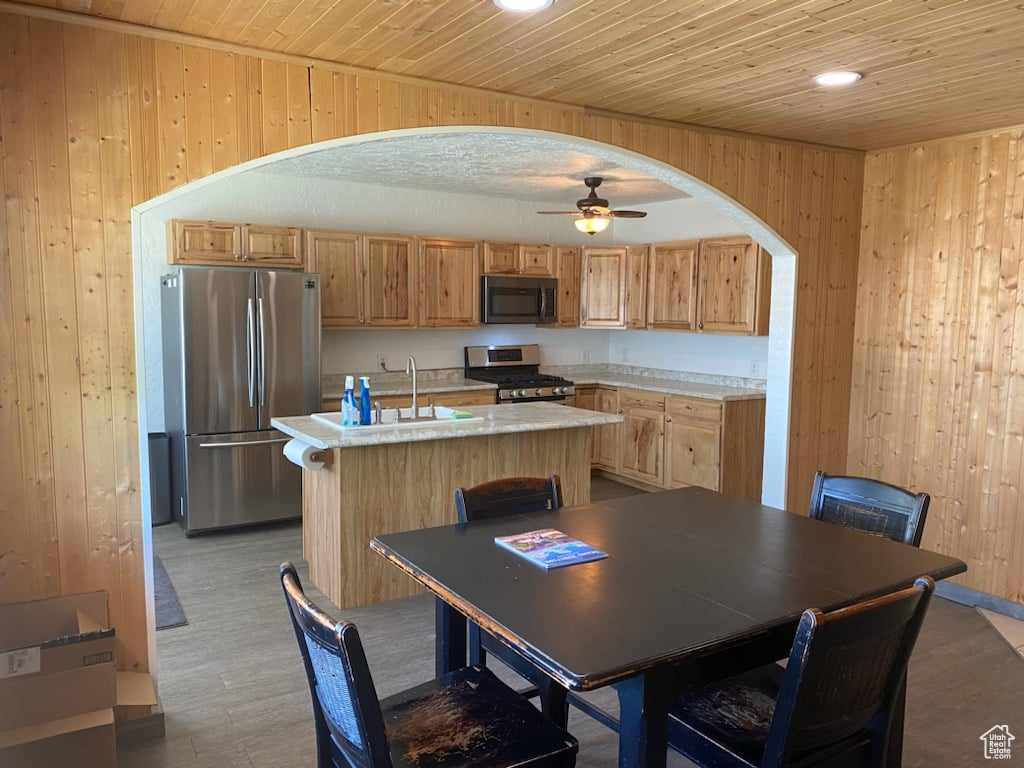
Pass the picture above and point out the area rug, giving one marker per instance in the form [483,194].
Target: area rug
[169,612]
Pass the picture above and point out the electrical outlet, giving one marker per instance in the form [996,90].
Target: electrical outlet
[757,369]
[586,355]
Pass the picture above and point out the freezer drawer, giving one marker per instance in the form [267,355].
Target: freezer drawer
[240,479]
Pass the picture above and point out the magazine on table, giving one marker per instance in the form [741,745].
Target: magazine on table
[549,548]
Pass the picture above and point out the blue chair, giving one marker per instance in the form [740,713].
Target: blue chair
[832,705]
[870,506]
[466,719]
[499,498]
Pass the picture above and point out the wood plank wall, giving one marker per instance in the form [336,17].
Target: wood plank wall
[938,389]
[93,120]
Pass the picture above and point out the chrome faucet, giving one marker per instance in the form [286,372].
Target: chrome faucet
[410,370]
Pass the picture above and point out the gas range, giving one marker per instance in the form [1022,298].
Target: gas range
[515,368]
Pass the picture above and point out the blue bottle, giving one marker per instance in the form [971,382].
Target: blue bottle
[349,413]
[364,400]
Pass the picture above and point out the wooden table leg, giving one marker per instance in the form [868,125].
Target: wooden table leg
[894,758]
[450,638]
[643,720]
[554,702]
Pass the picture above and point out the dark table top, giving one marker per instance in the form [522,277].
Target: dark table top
[687,571]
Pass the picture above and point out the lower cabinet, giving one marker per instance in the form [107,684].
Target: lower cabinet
[669,441]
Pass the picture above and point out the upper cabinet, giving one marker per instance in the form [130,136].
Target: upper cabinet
[671,286]
[203,242]
[603,288]
[733,286]
[721,285]
[567,270]
[338,257]
[449,273]
[214,243]
[518,259]
[279,247]
[389,280]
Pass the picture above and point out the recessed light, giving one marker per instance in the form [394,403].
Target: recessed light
[523,6]
[837,78]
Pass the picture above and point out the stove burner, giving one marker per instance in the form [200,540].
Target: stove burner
[517,382]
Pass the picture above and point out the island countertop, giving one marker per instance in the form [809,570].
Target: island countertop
[497,420]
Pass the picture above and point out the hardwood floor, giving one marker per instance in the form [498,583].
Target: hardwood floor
[234,693]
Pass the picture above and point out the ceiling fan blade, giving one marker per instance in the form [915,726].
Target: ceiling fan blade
[628,214]
[559,213]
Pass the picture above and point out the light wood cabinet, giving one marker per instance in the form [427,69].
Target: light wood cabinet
[603,288]
[642,436]
[501,259]
[278,247]
[733,286]
[203,242]
[389,280]
[567,270]
[449,279]
[338,258]
[586,398]
[636,286]
[537,260]
[671,286]
[692,447]
[606,438]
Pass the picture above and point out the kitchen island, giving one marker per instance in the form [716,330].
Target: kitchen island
[382,480]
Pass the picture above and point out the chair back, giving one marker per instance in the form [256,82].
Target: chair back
[844,676]
[346,710]
[511,496]
[870,506]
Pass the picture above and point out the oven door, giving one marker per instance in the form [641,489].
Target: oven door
[523,300]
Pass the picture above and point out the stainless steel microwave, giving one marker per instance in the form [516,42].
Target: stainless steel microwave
[521,300]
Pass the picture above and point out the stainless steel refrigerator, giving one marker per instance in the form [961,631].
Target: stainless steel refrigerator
[240,346]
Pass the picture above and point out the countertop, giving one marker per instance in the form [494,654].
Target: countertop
[497,419]
[706,386]
[703,386]
[387,383]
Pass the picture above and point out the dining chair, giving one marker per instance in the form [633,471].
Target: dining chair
[833,703]
[466,718]
[499,498]
[870,506]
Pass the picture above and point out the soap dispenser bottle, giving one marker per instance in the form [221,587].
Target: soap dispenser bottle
[364,401]
[349,414]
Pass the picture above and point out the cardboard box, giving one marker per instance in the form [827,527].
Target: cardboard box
[56,660]
[83,741]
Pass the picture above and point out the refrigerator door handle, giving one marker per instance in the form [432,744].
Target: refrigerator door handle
[244,443]
[250,324]
[263,349]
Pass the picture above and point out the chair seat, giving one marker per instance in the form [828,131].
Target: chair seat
[470,718]
[734,714]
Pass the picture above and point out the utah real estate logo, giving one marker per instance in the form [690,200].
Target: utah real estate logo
[997,742]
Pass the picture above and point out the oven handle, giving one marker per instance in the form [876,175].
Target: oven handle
[543,303]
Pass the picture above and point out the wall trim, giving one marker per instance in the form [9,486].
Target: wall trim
[958,593]
[184,38]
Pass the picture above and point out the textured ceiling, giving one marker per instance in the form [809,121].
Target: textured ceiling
[932,67]
[532,168]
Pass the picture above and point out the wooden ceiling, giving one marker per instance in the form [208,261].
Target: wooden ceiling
[932,67]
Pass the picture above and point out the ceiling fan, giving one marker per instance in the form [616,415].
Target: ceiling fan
[594,213]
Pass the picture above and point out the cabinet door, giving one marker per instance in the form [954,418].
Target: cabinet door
[606,438]
[643,436]
[603,289]
[203,242]
[337,256]
[449,279]
[567,270]
[501,259]
[586,398]
[264,246]
[693,448]
[389,280]
[727,285]
[538,260]
[636,286]
[671,287]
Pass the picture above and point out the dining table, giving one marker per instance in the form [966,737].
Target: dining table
[695,586]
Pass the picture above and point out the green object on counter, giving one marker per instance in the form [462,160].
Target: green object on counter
[462,415]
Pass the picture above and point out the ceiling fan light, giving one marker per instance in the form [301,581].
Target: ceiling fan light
[523,6]
[592,225]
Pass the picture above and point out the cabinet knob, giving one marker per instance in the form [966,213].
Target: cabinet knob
[700,325]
